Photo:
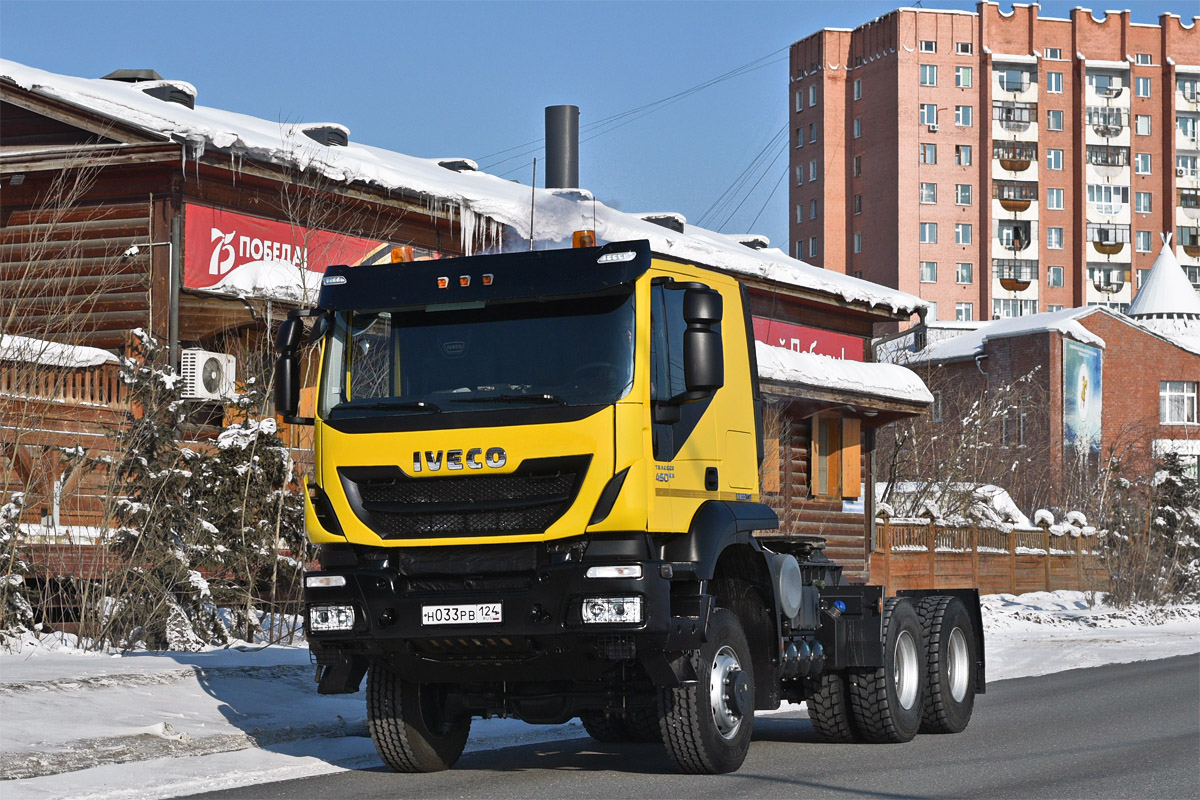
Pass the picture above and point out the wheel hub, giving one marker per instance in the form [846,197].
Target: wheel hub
[729,692]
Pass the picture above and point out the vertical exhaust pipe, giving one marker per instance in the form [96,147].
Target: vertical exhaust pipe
[562,147]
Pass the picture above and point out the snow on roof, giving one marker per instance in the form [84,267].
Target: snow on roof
[1166,290]
[51,354]
[1183,333]
[480,200]
[880,380]
[972,343]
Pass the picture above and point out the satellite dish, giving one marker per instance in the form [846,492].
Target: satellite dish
[212,375]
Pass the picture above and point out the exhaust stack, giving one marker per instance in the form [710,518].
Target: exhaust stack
[562,147]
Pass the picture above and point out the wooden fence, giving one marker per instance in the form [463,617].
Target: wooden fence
[922,554]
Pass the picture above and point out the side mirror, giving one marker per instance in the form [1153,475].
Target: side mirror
[287,369]
[291,333]
[703,356]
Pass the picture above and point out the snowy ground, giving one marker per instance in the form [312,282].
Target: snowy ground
[86,725]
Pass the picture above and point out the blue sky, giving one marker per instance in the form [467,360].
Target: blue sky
[471,79]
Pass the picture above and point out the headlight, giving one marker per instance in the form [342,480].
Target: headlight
[612,609]
[615,571]
[331,618]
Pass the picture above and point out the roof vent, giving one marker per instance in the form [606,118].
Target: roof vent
[330,134]
[132,75]
[170,91]
[458,164]
[667,219]
[755,241]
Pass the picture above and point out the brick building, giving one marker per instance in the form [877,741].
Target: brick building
[997,164]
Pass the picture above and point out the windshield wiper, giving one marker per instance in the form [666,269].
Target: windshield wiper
[527,397]
[402,405]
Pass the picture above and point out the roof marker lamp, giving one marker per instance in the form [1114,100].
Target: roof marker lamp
[616,258]
[443,283]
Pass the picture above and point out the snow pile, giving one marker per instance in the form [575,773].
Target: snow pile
[52,354]
[276,280]
[826,372]
[972,343]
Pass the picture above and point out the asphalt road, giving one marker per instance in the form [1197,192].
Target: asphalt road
[1127,730]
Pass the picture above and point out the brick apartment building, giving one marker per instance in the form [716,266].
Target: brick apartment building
[997,164]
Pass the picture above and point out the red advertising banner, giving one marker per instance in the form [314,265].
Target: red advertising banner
[217,243]
[804,339]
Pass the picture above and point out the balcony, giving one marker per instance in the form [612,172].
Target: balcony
[1108,238]
[1015,274]
[1189,240]
[1015,156]
[1014,235]
[1014,116]
[1107,121]
[1013,80]
[1014,196]
[1188,200]
[1105,155]
[1108,279]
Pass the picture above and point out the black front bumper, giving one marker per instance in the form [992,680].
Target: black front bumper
[541,637]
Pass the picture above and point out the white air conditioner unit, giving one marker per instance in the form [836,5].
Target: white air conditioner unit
[207,375]
[1179,173]
[933,128]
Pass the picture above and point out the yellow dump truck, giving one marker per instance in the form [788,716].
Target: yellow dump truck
[536,495]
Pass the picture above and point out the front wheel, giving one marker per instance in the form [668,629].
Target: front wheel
[410,723]
[707,725]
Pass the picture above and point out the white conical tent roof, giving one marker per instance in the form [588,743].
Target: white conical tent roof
[1166,290]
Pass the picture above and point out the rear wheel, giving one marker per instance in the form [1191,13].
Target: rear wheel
[950,652]
[888,702]
[829,708]
[707,725]
[410,724]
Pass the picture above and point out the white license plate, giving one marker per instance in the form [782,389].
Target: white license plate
[473,614]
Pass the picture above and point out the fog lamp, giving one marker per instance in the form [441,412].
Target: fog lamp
[612,609]
[331,618]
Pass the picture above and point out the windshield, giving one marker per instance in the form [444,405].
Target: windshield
[453,359]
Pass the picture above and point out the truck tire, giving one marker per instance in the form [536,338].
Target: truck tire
[409,724]
[633,725]
[889,702]
[829,709]
[951,657]
[706,725]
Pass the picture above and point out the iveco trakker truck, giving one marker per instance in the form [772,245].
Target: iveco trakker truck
[536,495]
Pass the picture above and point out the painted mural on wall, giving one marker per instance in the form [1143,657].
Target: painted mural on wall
[1082,395]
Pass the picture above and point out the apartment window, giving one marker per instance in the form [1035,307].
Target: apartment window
[799,137]
[928,114]
[962,116]
[962,233]
[1054,53]
[812,170]
[1185,166]
[928,272]
[1187,127]
[1054,159]
[963,77]
[1176,402]
[1054,199]
[799,101]
[836,456]
[799,212]
[812,247]
[857,166]
[1141,124]
[858,242]
[928,153]
[1142,58]
[858,204]
[928,46]
[964,48]
[963,272]
[962,194]
[1141,87]
[1054,82]
[812,208]
[1189,88]
[1054,120]
[928,233]
[1003,308]
[1141,163]
[928,192]
[858,88]
[964,312]
[929,74]
[1053,307]
[812,96]
[931,314]
[800,176]
[1054,238]
[1141,202]
[812,133]
[1143,246]
[1108,199]
[1054,276]
[857,127]
[962,155]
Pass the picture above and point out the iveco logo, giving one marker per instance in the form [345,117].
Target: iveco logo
[453,460]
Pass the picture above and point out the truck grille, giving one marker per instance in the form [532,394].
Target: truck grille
[529,500]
